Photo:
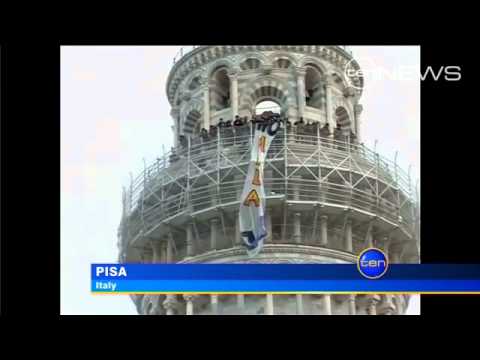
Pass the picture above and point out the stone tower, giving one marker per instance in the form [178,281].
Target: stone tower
[328,196]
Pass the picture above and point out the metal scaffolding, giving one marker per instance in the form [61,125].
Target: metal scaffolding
[304,170]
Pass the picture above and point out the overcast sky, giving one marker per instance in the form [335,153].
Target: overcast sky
[114,113]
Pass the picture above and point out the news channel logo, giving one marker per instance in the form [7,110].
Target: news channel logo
[372,263]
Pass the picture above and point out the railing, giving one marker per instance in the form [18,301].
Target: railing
[169,187]
[346,48]
[228,238]
[297,190]
[184,50]
[237,141]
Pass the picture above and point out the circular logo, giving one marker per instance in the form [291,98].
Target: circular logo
[372,263]
[369,70]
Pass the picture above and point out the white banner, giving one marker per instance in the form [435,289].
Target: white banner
[252,201]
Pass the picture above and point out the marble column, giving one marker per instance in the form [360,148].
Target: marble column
[394,254]
[297,228]
[357,113]
[352,309]
[239,179]
[400,304]
[270,310]
[327,302]
[238,237]
[189,303]
[296,183]
[157,251]
[300,310]
[214,196]
[370,199]
[169,251]
[234,93]
[175,113]
[213,233]
[369,238]
[163,248]
[329,105]
[324,230]
[190,244]
[348,236]
[301,72]
[323,192]
[214,303]
[386,245]
[268,225]
[268,176]
[206,107]
[241,302]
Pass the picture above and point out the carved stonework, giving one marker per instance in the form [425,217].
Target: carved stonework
[203,55]
[276,253]
[349,92]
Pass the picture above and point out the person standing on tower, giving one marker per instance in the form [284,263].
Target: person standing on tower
[204,134]
[213,131]
[238,121]
[338,136]
[325,133]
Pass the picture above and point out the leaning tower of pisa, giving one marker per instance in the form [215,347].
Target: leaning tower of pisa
[328,196]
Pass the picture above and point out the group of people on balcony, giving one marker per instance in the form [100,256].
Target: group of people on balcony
[241,126]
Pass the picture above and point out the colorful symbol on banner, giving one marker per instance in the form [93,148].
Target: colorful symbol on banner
[261,143]
[256,176]
[252,197]
[372,263]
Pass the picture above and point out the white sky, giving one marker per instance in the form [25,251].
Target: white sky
[114,112]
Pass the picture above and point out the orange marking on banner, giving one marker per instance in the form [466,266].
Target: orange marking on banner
[256,176]
[261,143]
[252,197]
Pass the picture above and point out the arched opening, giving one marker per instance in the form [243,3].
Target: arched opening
[267,105]
[270,93]
[314,87]
[282,63]
[343,121]
[220,89]
[191,125]
[250,64]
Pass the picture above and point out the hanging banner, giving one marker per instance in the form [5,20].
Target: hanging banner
[252,201]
